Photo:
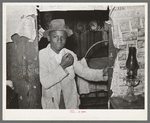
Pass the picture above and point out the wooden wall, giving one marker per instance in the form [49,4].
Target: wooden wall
[23,70]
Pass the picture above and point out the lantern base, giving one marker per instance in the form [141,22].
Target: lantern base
[130,97]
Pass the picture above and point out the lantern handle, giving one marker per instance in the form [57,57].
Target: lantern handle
[137,83]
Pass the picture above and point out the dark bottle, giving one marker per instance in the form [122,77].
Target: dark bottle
[132,63]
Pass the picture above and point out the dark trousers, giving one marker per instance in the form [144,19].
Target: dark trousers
[62,103]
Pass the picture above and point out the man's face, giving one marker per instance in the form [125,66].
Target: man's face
[57,40]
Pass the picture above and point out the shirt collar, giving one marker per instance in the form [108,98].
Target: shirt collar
[51,52]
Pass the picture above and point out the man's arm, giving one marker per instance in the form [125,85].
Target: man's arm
[86,72]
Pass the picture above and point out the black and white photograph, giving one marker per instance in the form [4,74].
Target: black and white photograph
[63,61]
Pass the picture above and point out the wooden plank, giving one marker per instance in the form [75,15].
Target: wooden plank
[112,56]
[24,71]
[33,74]
[76,37]
[84,41]
[18,70]
[100,50]
[91,42]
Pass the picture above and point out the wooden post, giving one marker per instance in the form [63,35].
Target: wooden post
[112,56]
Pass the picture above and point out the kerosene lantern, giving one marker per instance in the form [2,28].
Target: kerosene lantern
[131,78]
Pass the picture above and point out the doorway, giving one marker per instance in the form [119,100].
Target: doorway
[88,28]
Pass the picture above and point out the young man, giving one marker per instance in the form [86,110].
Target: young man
[58,66]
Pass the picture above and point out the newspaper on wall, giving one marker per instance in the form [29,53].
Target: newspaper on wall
[128,31]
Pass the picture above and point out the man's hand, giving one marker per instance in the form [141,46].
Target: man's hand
[67,60]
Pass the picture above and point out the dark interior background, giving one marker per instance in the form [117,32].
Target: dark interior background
[83,38]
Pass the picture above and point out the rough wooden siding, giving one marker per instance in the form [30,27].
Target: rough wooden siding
[23,70]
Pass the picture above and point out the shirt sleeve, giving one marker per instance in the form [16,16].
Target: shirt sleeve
[86,72]
[50,78]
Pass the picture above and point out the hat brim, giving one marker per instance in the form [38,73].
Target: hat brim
[68,31]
